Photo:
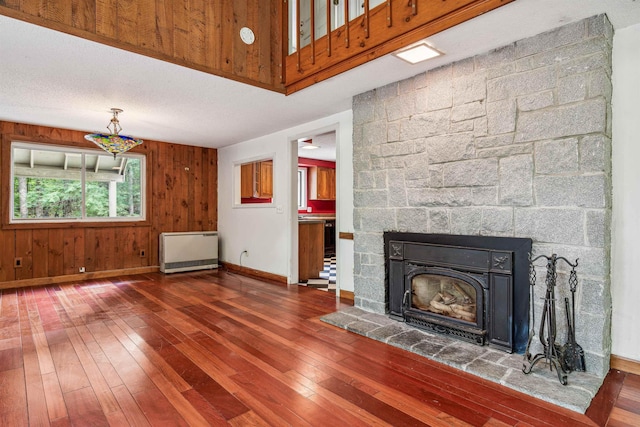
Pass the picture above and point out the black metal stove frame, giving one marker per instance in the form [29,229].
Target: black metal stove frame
[497,267]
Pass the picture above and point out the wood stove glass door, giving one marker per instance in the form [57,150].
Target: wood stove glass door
[447,294]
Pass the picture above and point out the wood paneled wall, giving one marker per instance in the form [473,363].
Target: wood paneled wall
[199,34]
[182,188]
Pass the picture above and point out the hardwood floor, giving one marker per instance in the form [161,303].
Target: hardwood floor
[222,349]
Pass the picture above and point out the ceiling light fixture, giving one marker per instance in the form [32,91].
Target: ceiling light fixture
[307,144]
[113,142]
[417,53]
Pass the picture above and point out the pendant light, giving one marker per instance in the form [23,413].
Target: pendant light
[307,144]
[113,142]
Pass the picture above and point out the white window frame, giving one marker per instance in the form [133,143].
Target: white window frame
[82,151]
[302,188]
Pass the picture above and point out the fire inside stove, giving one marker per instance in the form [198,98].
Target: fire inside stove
[449,297]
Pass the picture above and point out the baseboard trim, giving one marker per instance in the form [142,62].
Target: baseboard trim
[256,274]
[43,281]
[624,364]
[347,295]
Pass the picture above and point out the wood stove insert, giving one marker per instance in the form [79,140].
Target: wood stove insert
[473,288]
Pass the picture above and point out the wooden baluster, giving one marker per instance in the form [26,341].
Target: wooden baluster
[313,31]
[366,19]
[284,40]
[297,30]
[346,23]
[329,3]
[388,13]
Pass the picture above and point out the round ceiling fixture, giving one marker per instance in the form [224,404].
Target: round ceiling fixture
[247,35]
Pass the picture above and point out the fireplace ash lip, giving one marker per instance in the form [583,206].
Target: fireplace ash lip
[504,262]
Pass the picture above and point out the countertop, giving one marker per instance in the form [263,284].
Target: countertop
[316,217]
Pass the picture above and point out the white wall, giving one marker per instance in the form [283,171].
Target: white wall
[269,234]
[344,203]
[625,235]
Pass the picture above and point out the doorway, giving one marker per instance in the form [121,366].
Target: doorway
[316,194]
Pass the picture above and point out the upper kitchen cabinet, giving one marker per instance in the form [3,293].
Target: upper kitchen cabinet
[256,180]
[322,183]
[265,179]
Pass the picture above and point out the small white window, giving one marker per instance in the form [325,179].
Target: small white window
[302,189]
[52,183]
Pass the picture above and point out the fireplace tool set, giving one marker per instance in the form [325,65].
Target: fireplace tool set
[570,356]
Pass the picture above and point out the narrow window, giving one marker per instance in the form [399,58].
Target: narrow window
[302,189]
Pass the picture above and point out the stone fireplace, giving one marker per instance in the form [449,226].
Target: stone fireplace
[512,143]
[473,288]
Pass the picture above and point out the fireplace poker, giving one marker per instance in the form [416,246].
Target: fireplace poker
[551,350]
[532,316]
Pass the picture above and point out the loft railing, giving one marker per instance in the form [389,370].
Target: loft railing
[328,37]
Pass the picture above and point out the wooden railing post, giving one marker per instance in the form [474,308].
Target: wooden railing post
[329,3]
[297,30]
[366,19]
[312,24]
[346,23]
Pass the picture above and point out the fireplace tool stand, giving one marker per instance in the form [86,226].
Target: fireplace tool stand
[552,352]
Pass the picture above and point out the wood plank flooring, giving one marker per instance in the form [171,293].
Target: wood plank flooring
[214,348]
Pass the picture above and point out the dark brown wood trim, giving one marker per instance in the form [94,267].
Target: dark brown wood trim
[257,274]
[347,294]
[624,364]
[345,235]
[42,281]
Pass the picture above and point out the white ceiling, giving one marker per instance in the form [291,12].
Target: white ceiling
[326,143]
[54,79]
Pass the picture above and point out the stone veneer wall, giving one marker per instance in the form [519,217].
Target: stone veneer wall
[515,142]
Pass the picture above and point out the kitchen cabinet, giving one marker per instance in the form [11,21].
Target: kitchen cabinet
[265,179]
[310,249]
[256,180]
[322,183]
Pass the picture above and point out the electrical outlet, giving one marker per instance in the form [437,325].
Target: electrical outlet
[142,253]
[17,262]
[81,270]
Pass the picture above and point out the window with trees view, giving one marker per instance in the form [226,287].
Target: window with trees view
[64,183]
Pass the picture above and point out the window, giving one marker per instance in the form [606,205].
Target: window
[69,184]
[254,182]
[302,189]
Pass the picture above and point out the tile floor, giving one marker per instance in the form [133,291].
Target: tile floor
[327,277]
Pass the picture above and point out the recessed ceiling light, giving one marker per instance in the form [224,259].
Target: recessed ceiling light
[417,53]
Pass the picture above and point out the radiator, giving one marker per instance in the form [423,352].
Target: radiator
[188,251]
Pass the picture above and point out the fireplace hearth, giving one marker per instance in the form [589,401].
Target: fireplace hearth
[473,288]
